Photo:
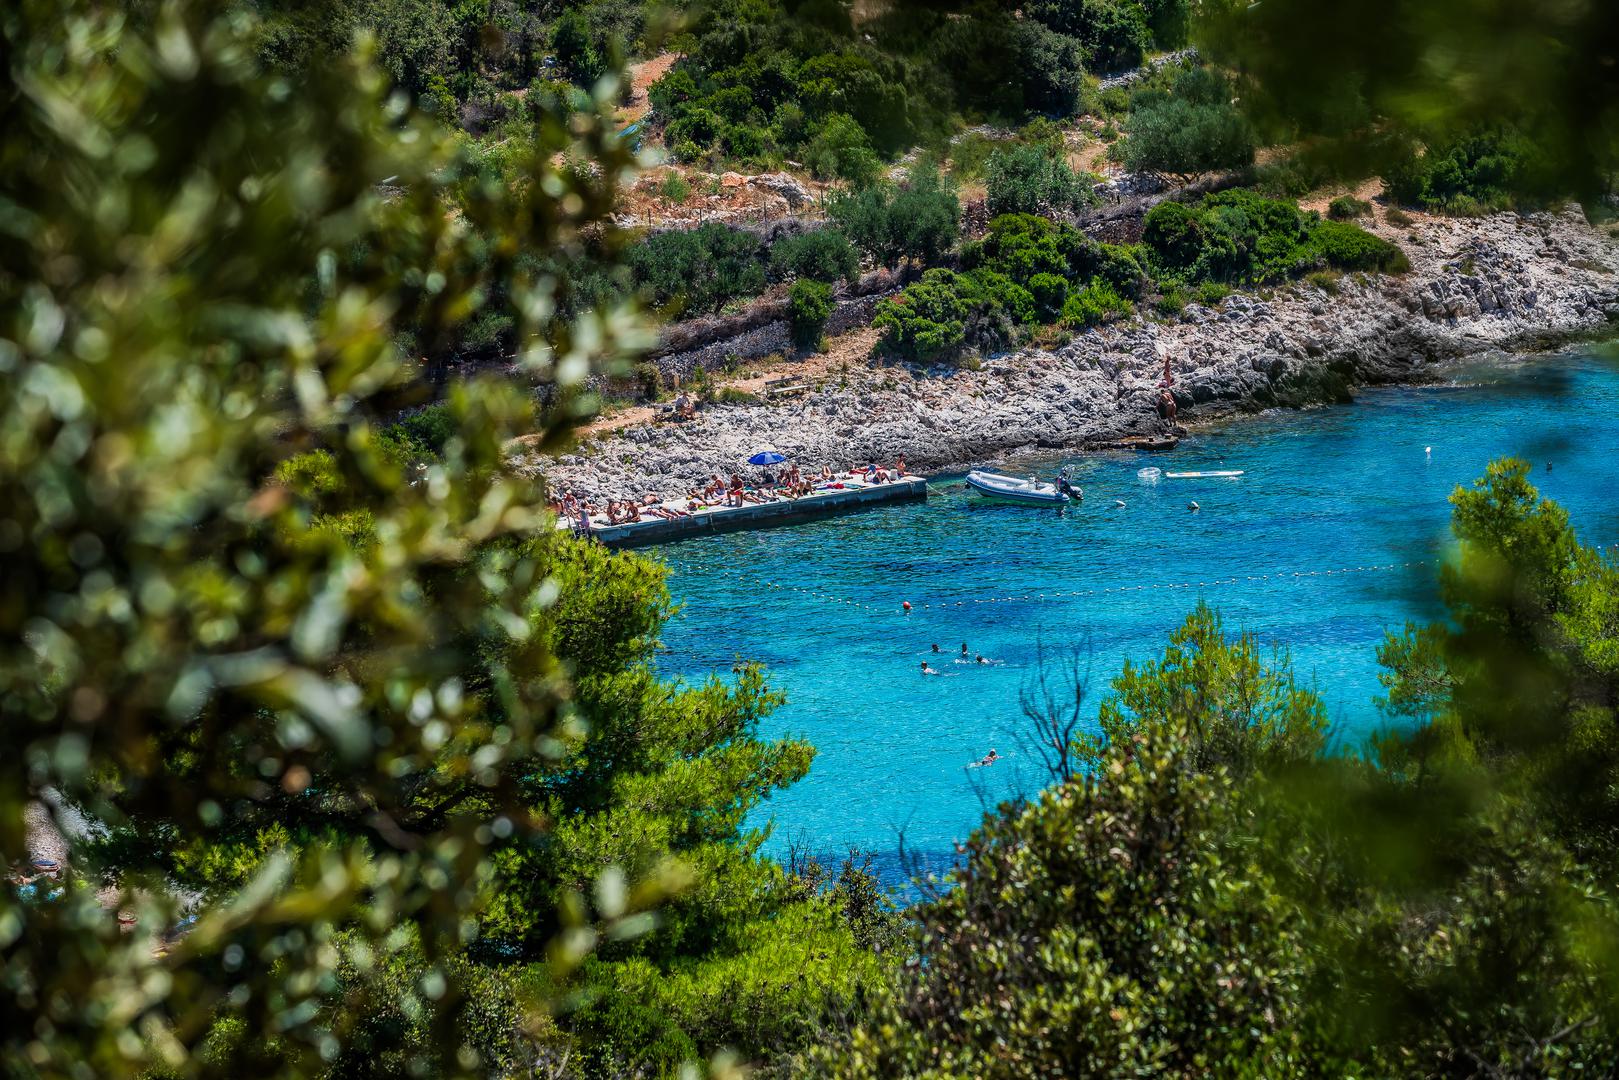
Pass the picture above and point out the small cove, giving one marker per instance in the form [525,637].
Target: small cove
[1346,489]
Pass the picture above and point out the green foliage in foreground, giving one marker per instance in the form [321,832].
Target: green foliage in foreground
[1212,894]
[1354,70]
[201,275]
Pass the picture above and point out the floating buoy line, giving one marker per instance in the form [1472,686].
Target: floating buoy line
[906,607]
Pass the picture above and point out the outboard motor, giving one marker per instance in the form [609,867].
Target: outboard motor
[1068,489]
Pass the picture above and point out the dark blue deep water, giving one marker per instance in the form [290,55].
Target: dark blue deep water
[1325,491]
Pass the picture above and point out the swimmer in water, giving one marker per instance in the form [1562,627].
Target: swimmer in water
[927,670]
[964,649]
[980,659]
[935,646]
[990,758]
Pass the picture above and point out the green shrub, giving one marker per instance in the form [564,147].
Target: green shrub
[1171,302]
[1034,180]
[1115,33]
[649,379]
[1096,303]
[1173,232]
[1210,293]
[1325,280]
[698,270]
[1049,292]
[675,188]
[1347,208]
[1124,268]
[1397,217]
[988,291]
[1349,247]
[919,220]
[824,254]
[1022,246]
[945,313]
[429,428]
[1487,170]
[749,143]
[841,150]
[808,305]
[1180,138]
[926,322]
[1233,236]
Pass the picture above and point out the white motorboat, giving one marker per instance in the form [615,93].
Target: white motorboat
[1029,492]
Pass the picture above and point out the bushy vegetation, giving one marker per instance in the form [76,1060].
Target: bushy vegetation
[764,80]
[919,219]
[1035,179]
[1192,128]
[821,254]
[808,305]
[696,271]
[1239,237]
[1477,173]
[461,62]
[1025,271]
[1029,270]
[688,272]
[1348,208]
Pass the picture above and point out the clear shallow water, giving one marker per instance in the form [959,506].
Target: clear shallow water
[1329,489]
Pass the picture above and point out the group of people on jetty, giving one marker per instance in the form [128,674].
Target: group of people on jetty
[718,493]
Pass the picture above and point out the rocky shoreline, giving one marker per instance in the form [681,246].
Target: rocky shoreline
[1505,282]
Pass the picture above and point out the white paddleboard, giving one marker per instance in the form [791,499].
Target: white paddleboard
[1202,475]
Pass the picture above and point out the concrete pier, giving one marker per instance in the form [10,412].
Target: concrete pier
[762,515]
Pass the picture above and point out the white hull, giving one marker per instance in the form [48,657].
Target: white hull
[1013,490]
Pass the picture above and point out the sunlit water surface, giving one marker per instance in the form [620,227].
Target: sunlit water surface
[1330,489]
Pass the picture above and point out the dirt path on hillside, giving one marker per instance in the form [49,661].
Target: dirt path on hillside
[642,76]
[846,354]
[1365,191]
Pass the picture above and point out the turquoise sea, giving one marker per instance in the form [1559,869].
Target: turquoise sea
[1328,539]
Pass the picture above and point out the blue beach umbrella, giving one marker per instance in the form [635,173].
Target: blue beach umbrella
[767,457]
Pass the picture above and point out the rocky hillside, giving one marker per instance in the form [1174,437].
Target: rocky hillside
[1504,282]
